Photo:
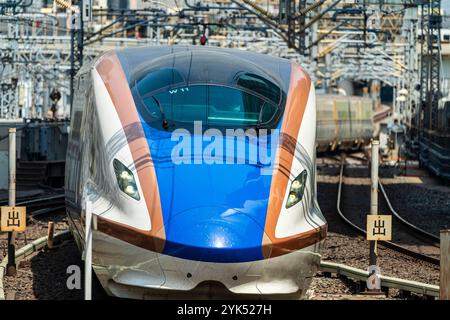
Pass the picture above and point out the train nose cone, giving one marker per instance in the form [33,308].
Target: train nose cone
[214,234]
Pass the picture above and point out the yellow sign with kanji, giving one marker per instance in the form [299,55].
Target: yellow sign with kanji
[379,227]
[13,219]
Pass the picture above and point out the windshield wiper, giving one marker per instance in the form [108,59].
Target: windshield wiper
[165,124]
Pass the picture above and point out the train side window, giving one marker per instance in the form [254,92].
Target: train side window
[261,86]
[94,139]
[267,112]
[240,108]
[93,159]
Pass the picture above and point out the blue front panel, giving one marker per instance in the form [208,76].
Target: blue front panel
[212,212]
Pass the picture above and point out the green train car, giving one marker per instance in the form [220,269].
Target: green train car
[343,122]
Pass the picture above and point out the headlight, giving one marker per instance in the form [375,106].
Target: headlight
[297,189]
[125,179]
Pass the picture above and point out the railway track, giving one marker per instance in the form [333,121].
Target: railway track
[40,204]
[431,238]
[43,205]
[418,233]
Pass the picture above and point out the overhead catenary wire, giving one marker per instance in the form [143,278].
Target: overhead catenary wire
[67,5]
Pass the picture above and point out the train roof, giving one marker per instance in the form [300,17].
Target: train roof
[198,64]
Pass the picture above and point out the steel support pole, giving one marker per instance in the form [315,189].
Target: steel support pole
[374,196]
[374,177]
[373,286]
[11,266]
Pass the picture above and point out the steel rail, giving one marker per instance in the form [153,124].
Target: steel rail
[388,282]
[40,200]
[25,252]
[38,206]
[46,210]
[416,229]
[33,199]
[386,244]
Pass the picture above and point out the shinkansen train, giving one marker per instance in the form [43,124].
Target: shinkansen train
[199,165]
[343,122]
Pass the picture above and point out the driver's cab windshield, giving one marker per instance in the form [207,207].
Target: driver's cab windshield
[164,97]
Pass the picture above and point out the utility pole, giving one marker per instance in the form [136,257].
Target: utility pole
[76,45]
[373,281]
[11,266]
[431,22]
[374,196]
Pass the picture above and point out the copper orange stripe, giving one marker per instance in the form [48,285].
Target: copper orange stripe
[299,89]
[113,76]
